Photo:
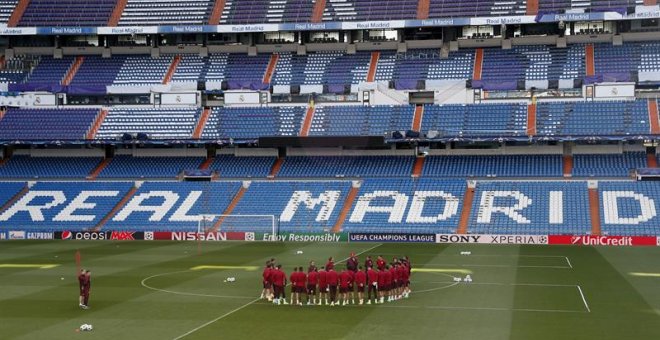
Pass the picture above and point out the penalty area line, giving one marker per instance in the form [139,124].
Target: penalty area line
[19,265]
[583,299]
[251,303]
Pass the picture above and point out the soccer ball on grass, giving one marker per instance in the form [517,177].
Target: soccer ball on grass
[86,327]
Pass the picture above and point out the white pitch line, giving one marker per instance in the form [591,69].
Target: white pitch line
[216,319]
[493,265]
[503,284]
[568,261]
[482,255]
[250,303]
[497,309]
[583,299]
[145,285]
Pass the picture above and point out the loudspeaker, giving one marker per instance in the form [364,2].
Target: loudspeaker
[397,135]
[126,137]
[391,84]
[347,89]
[520,85]
[421,85]
[295,89]
[577,83]
[224,85]
[553,84]
[141,136]
[201,85]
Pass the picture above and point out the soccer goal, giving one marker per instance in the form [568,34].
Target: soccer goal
[257,224]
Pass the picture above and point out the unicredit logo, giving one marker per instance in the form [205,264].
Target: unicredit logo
[66,235]
[602,240]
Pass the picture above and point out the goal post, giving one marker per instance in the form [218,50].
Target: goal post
[257,224]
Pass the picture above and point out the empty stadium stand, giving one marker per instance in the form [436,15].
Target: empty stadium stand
[48,167]
[124,166]
[164,123]
[46,124]
[166,12]
[6,8]
[604,165]
[493,166]
[67,13]
[346,166]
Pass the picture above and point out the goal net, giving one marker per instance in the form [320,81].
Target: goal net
[257,224]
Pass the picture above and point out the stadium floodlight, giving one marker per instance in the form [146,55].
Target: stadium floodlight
[267,225]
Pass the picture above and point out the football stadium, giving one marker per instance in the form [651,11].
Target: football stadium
[342,169]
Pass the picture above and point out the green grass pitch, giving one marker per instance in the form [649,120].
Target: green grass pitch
[146,290]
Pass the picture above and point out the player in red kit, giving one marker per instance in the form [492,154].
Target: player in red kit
[81,283]
[380,263]
[406,280]
[372,279]
[382,284]
[344,283]
[87,287]
[266,293]
[294,285]
[301,284]
[394,282]
[312,281]
[330,264]
[333,280]
[360,283]
[279,281]
[368,263]
[323,286]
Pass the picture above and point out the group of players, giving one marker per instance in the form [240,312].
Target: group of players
[381,281]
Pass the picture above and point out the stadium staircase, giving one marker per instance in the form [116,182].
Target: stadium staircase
[100,118]
[346,208]
[594,210]
[478,63]
[206,163]
[531,119]
[2,113]
[307,123]
[650,2]
[71,72]
[270,70]
[468,198]
[417,118]
[17,14]
[418,167]
[654,119]
[170,71]
[532,7]
[317,11]
[277,166]
[234,202]
[116,208]
[568,165]
[99,168]
[117,12]
[589,65]
[201,123]
[423,7]
[216,13]
[3,62]
[373,66]
[651,160]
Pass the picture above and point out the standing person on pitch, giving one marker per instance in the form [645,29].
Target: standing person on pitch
[388,283]
[333,280]
[380,263]
[372,279]
[330,264]
[294,285]
[312,266]
[279,282]
[344,283]
[360,283]
[312,281]
[368,263]
[406,280]
[323,286]
[81,283]
[87,287]
[301,283]
[351,285]
[382,284]
[266,291]
[352,263]
[394,283]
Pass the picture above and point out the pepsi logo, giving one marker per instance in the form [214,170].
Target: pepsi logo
[66,235]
